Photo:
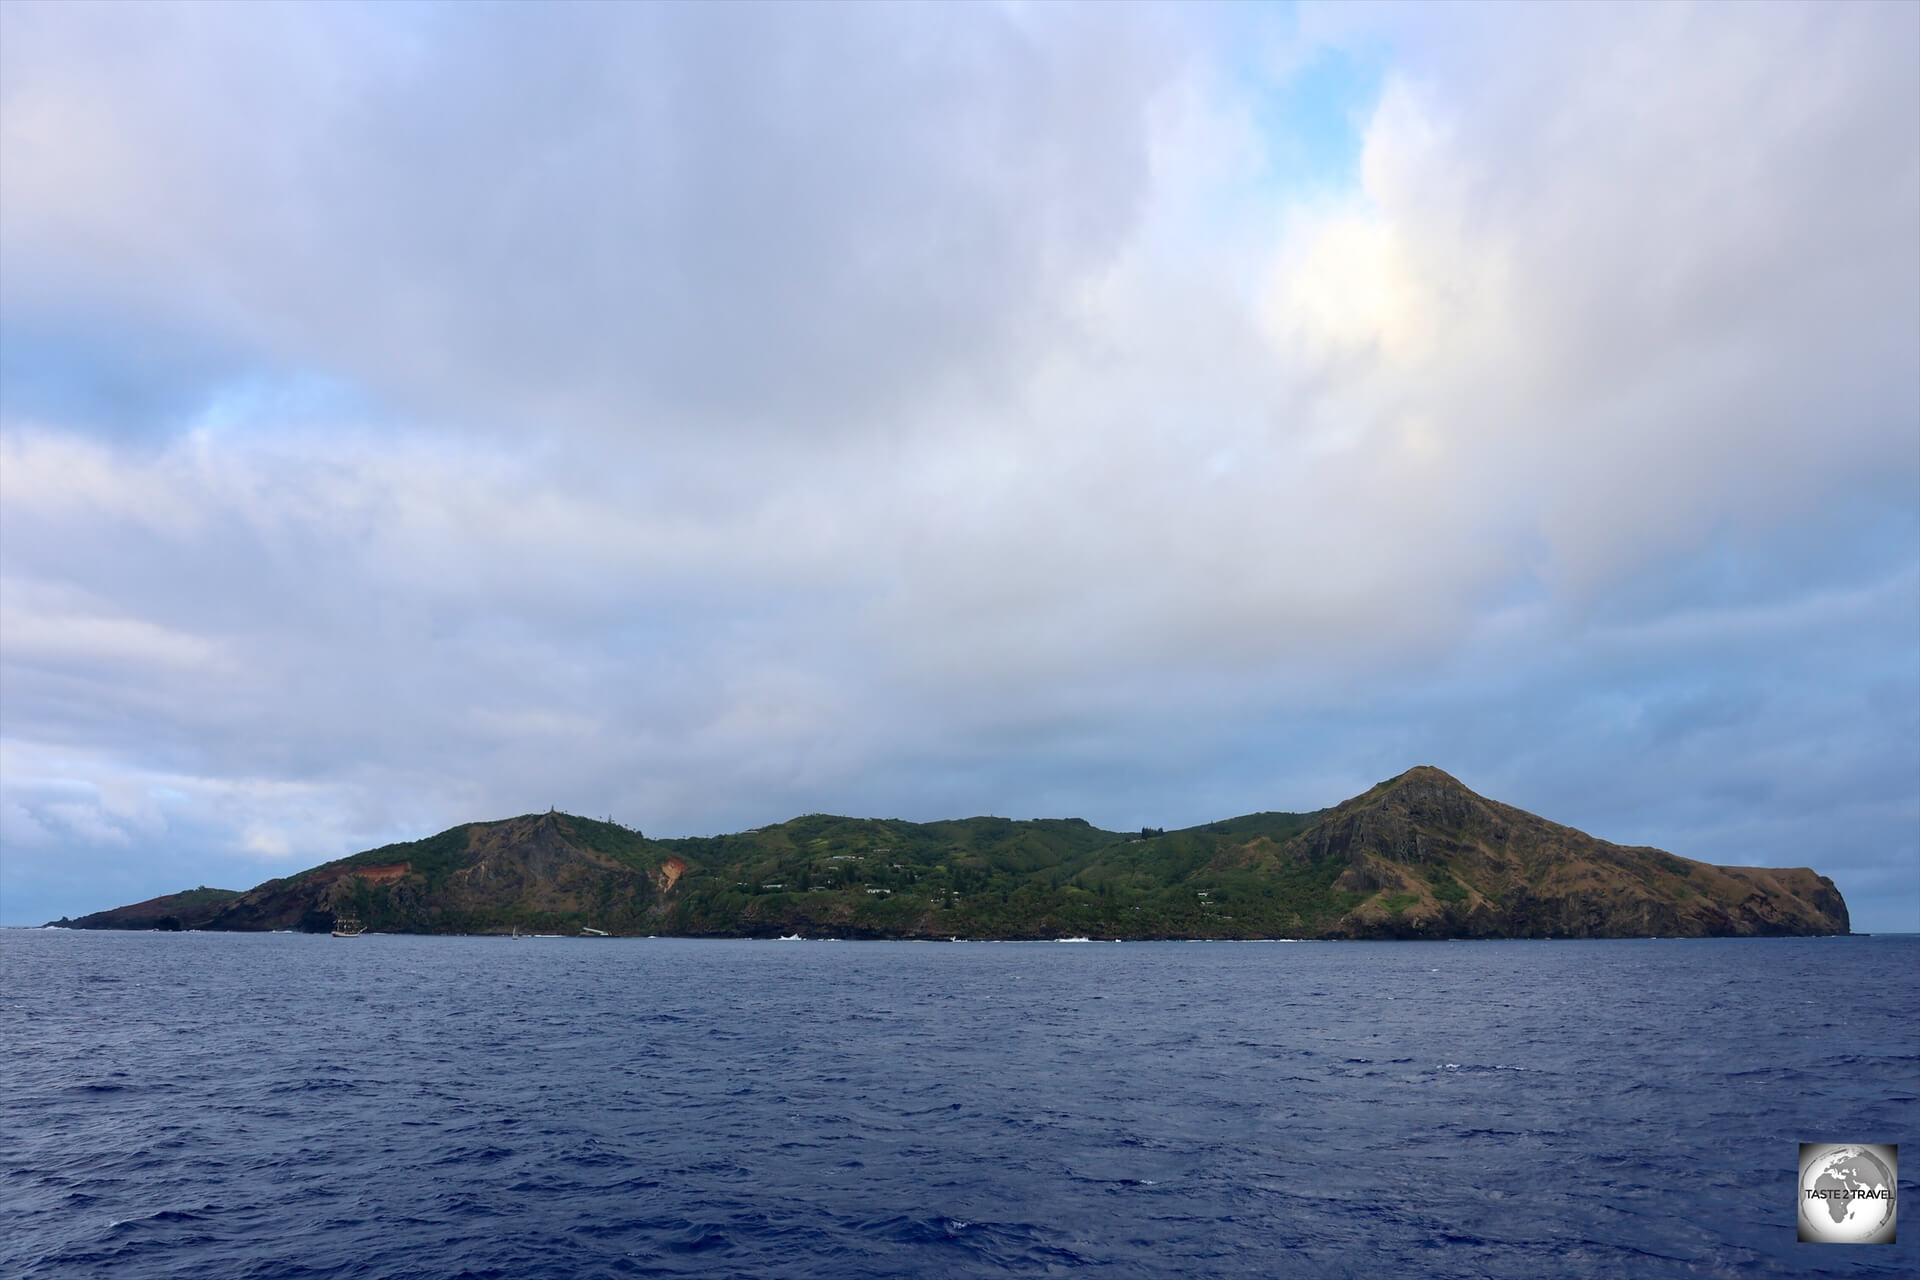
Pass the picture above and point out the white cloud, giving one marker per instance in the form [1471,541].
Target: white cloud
[620,220]
[265,841]
[35,637]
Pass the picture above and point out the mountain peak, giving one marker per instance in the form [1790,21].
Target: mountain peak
[1421,781]
[1428,773]
[1425,776]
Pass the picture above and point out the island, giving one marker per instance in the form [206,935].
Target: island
[1418,856]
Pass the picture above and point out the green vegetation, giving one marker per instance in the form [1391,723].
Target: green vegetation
[866,877]
[1395,903]
[610,838]
[1446,888]
[998,877]
[202,897]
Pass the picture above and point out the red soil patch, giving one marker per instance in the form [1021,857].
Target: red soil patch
[372,875]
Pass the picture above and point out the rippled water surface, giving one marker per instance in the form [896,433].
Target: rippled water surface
[206,1105]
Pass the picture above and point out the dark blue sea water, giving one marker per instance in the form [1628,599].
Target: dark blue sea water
[204,1105]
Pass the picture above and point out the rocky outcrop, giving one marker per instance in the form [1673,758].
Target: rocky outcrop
[191,909]
[534,873]
[1437,861]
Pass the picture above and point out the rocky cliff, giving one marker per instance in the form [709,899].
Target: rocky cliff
[1436,860]
[539,872]
[169,913]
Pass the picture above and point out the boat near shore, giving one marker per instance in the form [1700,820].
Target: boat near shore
[347,927]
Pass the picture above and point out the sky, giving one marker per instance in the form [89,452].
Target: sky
[704,415]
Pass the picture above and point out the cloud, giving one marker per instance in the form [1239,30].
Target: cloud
[413,414]
[625,222]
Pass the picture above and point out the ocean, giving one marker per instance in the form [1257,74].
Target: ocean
[268,1106]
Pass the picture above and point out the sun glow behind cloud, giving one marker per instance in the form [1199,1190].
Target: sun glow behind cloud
[1047,411]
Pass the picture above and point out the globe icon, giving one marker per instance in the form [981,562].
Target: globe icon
[1847,1194]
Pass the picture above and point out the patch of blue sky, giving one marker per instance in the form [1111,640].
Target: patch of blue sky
[1311,108]
[106,380]
[261,400]
[149,384]
[1315,120]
